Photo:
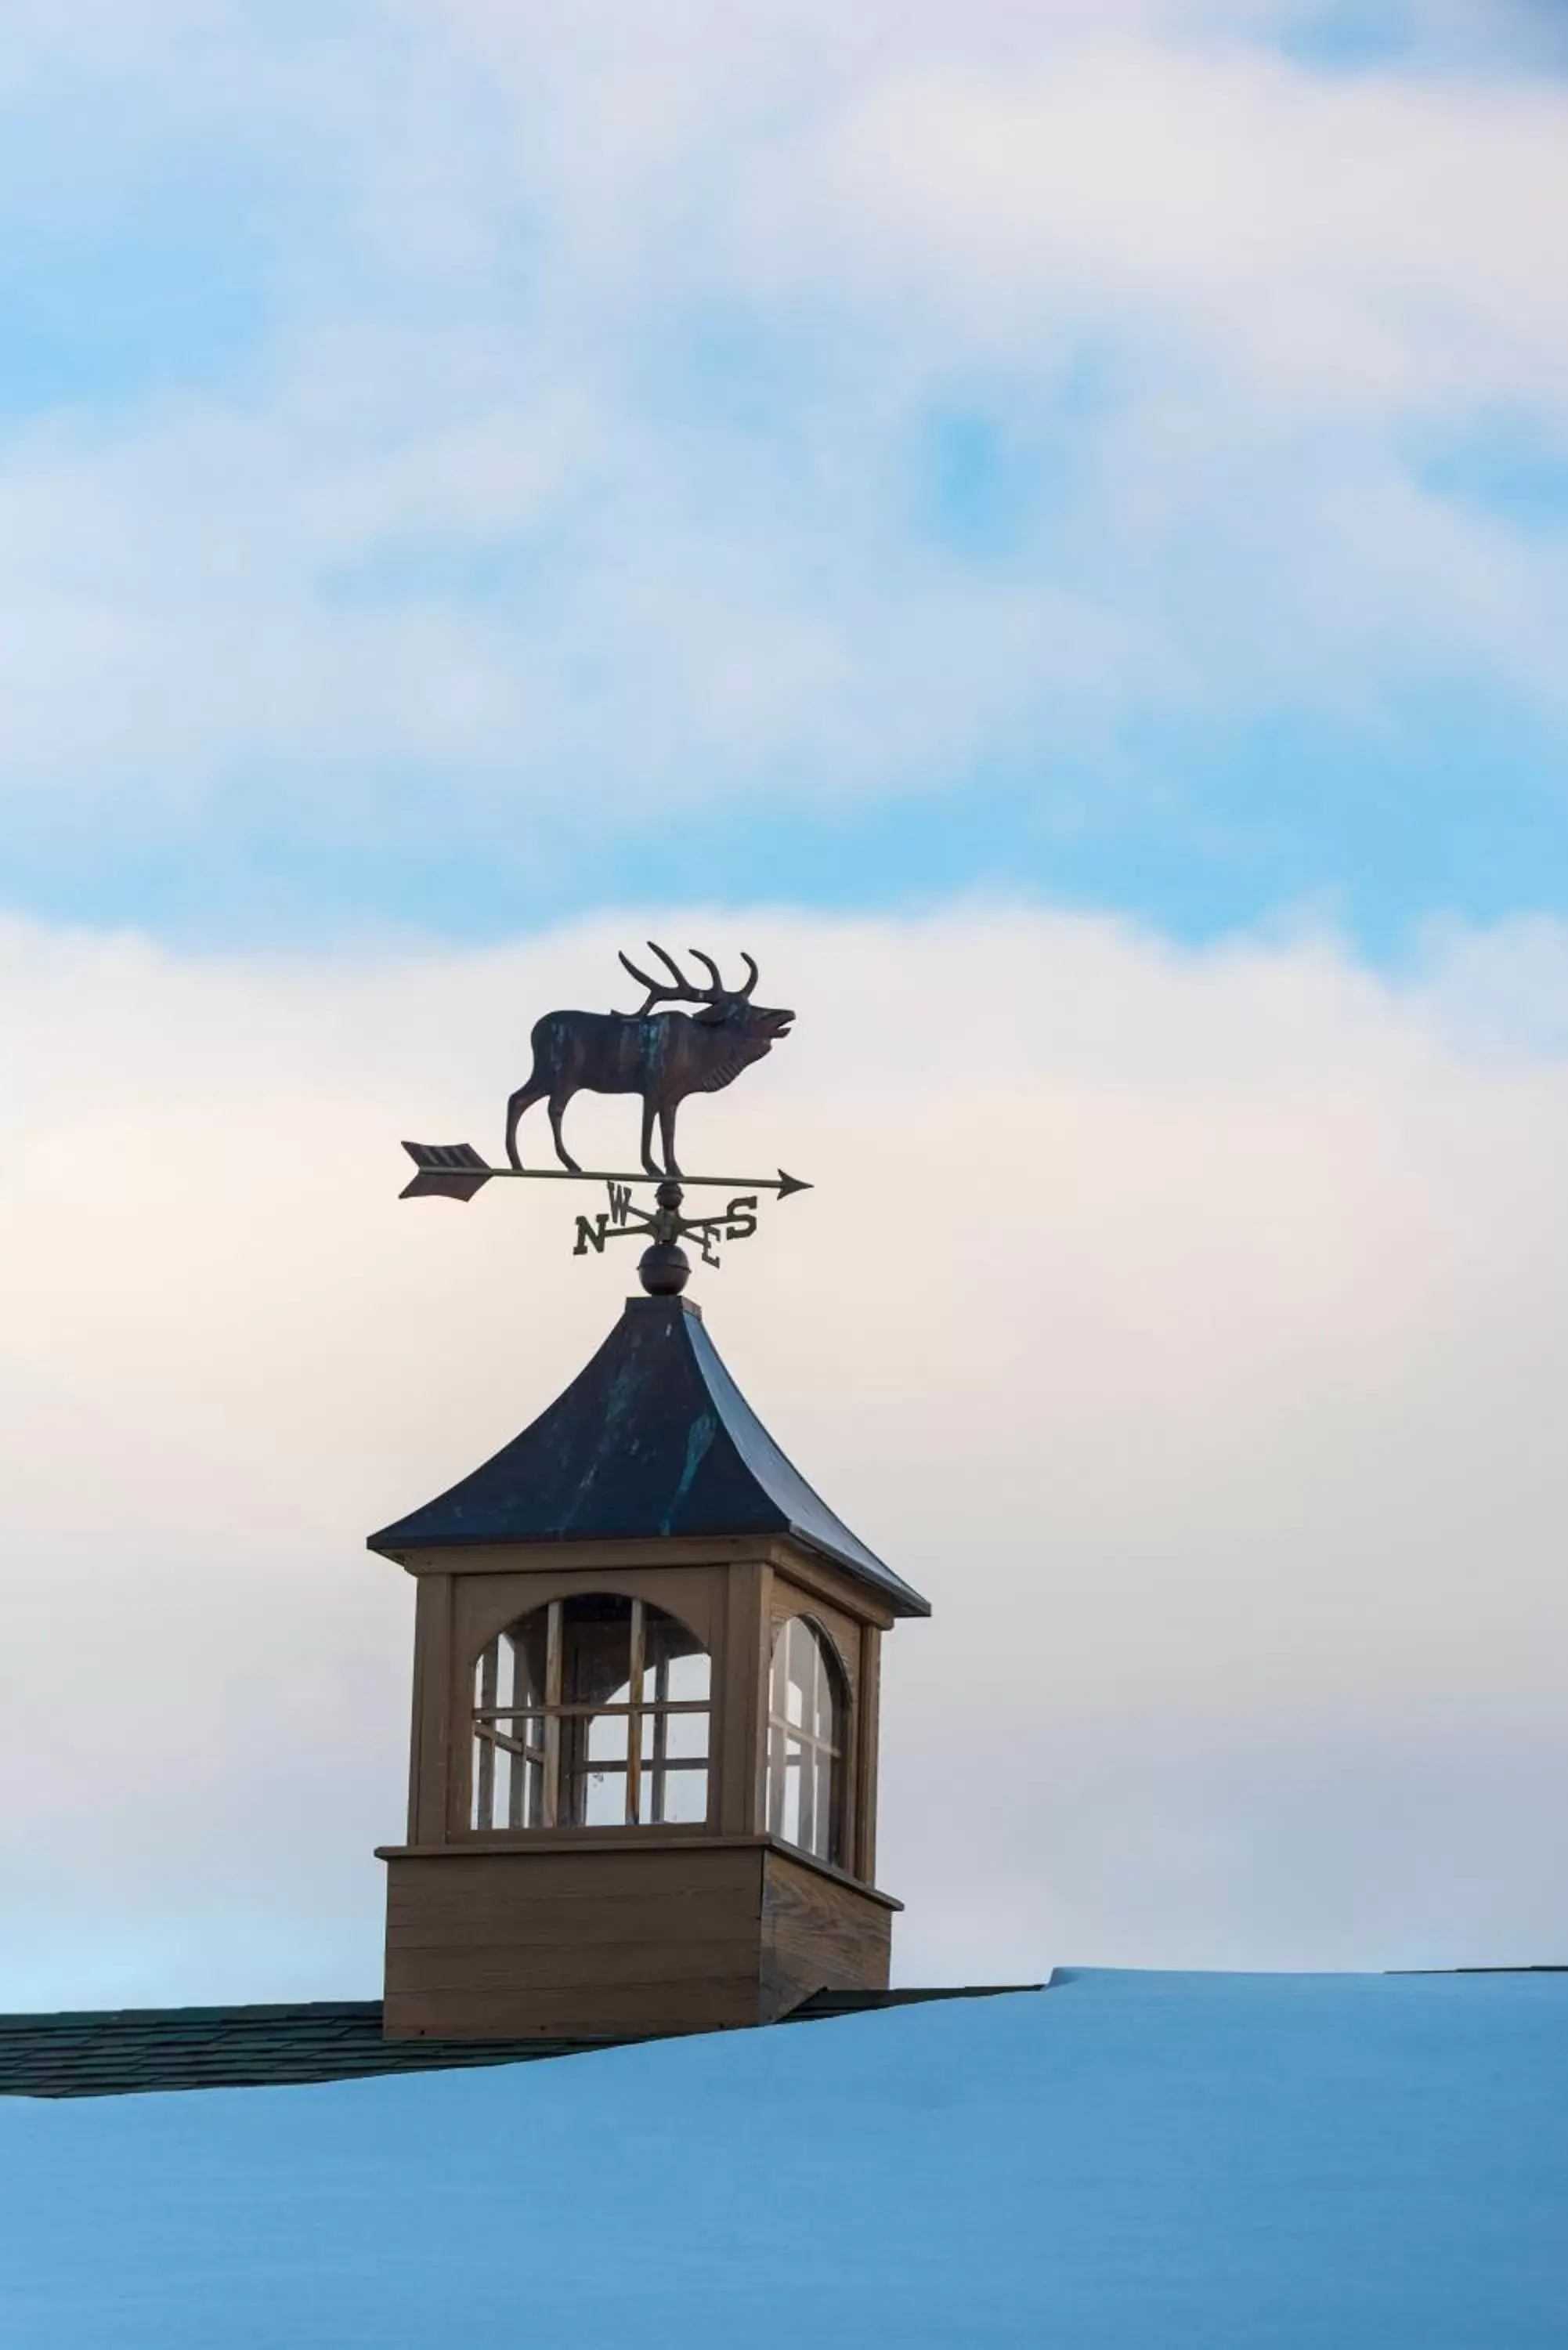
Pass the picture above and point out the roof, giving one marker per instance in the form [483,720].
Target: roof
[117,2051]
[653,1438]
[1130,2161]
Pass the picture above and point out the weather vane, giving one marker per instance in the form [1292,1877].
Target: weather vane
[664,1057]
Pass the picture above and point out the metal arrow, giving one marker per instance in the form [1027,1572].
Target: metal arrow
[454,1171]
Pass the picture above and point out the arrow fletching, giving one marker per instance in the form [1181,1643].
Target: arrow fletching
[447,1170]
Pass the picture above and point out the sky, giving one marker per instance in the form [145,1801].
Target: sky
[1050,526]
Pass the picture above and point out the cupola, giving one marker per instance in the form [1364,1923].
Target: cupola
[643,1769]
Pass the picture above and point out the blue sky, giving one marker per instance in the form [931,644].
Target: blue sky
[459,467]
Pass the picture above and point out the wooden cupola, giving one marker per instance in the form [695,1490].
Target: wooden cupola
[643,1778]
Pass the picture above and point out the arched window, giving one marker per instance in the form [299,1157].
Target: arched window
[591,1713]
[805,1719]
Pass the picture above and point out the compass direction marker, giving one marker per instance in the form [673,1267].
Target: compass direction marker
[455,1171]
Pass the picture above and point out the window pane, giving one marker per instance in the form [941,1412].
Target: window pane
[676,1663]
[690,1677]
[686,1797]
[528,1792]
[804,1739]
[528,1642]
[686,1737]
[775,1779]
[603,1805]
[527,1683]
[596,1649]
[607,1738]
[791,1794]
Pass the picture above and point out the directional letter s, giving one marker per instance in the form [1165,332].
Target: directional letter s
[738,1225]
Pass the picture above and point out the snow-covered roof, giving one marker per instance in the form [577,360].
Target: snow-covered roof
[125,2051]
[1123,2162]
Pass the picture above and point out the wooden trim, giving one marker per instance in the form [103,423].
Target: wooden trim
[738,1699]
[790,1598]
[588,1710]
[486,1604]
[549,1557]
[635,1716]
[826,1869]
[611,1839]
[416,1709]
[853,1742]
[838,1584]
[432,1716]
[834,1585]
[552,1790]
[867,1742]
[718,1698]
[626,1874]
[484,1763]
[502,1846]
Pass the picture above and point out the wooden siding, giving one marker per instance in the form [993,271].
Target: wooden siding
[819,1933]
[685,1937]
[515,1941]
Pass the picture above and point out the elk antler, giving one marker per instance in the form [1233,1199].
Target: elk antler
[662,993]
[682,984]
[679,988]
[719,989]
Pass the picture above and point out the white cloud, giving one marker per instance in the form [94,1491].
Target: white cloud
[491,239]
[1372,242]
[1220,1423]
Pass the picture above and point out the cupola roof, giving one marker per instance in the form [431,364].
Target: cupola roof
[652,1439]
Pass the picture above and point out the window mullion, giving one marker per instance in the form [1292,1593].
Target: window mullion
[660,1739]
[552,1715]
[484,1790]
[536,1704]
[634,1721]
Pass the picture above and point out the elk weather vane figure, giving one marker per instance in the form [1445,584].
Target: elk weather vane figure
[664,1057]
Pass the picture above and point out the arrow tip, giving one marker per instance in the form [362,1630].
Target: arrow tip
[788,1183]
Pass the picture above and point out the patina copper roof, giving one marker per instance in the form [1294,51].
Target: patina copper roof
[652,1438]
